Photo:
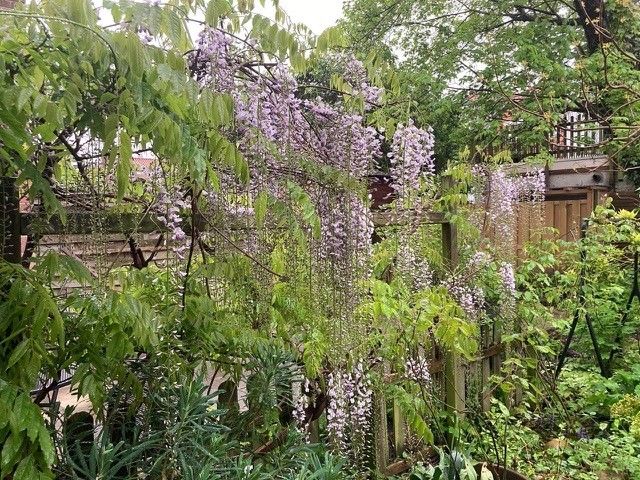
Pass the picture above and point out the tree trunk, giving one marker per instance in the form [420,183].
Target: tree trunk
[595,24]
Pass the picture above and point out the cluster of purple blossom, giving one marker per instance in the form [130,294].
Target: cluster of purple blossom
[416,369]
[411,158]
[355,73]
[287,137]
[301,406]
[504,191]
[168,208]
[470,298]
[533,186]
[145,35]
[276,128]
[211,60]
[413,266]
[504,197]
[346,227]
[479,260]
[349,409]
[508,277]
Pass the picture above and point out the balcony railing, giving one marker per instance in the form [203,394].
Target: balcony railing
[577,136]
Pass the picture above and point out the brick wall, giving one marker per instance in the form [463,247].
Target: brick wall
[7,3]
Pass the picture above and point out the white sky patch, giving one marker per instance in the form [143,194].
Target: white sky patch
[315,14]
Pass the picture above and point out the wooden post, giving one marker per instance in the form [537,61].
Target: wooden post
[380,434]
[454,383]
[485,369]
[314,431]
[10,221]
[398,429]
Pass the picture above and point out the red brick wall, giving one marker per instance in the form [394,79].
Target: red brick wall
[7,3]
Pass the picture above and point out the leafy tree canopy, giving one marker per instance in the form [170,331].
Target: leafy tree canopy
[525,61]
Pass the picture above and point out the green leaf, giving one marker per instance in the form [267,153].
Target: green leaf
[130,49]
[26,469]
[260,208]
[278,260]
[174,28]
[10,451]
[46,446]
[124,165]
[223,108]
[110,131]
[217,9]
[79,11]
[19,352]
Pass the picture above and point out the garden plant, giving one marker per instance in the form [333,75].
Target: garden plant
[313,274]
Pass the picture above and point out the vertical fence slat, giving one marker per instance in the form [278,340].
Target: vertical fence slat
[10,224]
[485,368]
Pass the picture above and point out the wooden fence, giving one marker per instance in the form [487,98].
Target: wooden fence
[558,217]
[462,385]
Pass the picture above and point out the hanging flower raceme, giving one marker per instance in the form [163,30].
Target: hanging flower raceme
[508,277]
[346,228]
[417,370]
[413,266]
[478,261]
[533,186]
[211,62]
[301,406]
[349,410]
[411,158]
[356,73]
[500,193]
[168,208]
[470,298]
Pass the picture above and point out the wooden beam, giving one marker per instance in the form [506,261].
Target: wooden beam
[380,434]
[79,223]
[398,429]
[393,217]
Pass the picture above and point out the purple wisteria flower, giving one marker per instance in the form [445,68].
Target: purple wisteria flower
[168,207]
[412,266]
[349,410]
[470,298]
[417,370]
[300,410]
[212,61]
[479,260]
[508,277]
[501,192]
[411,158]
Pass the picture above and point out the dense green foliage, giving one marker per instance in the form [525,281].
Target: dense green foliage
[471,66]
[281,320]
